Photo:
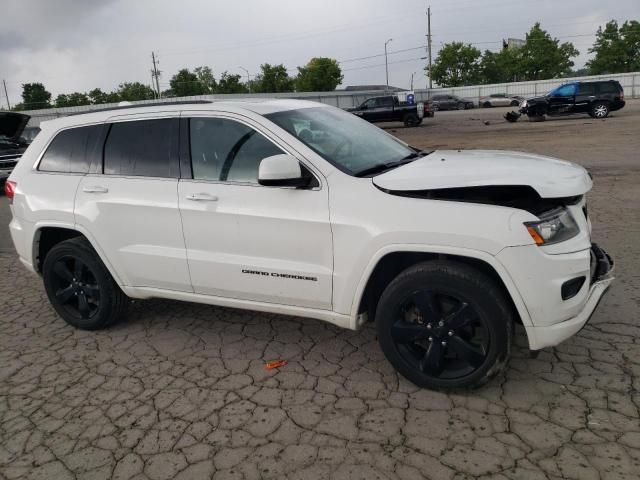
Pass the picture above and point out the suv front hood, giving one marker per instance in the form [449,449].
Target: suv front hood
[443,169]
[12,124]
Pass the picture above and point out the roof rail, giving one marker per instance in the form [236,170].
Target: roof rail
[140,105]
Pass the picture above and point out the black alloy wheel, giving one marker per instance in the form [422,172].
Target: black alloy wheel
[76,287]
[79,286]
[440,334]
[445,325]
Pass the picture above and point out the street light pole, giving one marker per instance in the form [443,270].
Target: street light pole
[248,78]
[412,80]
[386,63]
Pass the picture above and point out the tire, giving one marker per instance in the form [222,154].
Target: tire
[80,288]
[534,117]
[434,107]
[600,110]
[461,106]
[515,103]
[486,105]
[411,120]
[411,340]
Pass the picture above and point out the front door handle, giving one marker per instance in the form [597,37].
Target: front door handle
[95,189]
[202,197]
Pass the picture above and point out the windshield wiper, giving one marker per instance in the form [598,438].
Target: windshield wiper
[383,167]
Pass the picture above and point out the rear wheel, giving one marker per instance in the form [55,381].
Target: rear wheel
[79,286]
[444,325]
[411,120]
[461,106]
[486,104]
[515,103]
[600,110]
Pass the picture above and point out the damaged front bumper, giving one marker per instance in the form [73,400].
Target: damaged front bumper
[556,312]
[601,269]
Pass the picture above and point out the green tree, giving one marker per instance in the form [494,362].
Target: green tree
[230,83]
[186,83]
[543,57]
[74,99]
[98,97]
[273,78]
[132,91]
[457,64]
[35,96]
[321,74]
[617,49]
[206,78]
[499,67]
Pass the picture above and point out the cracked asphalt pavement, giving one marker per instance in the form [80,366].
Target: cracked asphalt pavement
[180,390]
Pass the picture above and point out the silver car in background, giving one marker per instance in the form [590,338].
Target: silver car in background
[499,100]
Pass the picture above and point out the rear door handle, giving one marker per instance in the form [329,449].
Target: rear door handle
[202,197]
[95,189]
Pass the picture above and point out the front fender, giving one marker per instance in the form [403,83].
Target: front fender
[485,257]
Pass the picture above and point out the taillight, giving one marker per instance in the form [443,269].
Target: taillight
[426,108]
[10,190]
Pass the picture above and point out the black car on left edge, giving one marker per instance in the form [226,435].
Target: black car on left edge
[596,98]
[12,144]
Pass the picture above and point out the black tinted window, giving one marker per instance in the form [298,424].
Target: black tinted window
[140,148]
[227,150]
[67,152]
[385,102]
[587,89]
[609,87]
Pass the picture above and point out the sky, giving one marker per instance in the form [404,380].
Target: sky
[78,45]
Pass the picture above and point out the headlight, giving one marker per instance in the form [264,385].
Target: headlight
[554,226]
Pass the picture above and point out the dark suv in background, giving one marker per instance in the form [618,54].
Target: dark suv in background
[597,99]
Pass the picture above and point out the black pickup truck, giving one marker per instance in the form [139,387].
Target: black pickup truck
[389,108]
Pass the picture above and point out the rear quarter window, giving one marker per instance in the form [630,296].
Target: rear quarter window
[609,87]
[67,153]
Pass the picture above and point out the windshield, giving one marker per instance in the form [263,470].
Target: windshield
[344,140]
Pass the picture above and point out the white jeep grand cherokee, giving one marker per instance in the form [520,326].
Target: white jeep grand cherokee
[302,209]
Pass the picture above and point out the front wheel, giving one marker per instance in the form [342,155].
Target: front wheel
[515,103]
[79,286]
[461,106]
[444,325]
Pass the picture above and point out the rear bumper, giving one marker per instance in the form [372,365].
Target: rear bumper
[601,267]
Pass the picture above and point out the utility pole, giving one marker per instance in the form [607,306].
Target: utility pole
[6,95]
[429,43]
[412,74]
[248,78]
[386,63]
[155,73]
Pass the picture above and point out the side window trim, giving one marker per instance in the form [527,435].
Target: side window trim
[185,148]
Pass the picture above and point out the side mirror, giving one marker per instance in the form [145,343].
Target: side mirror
[281,171]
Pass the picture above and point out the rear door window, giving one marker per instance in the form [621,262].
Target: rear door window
[586,89]
[142,148]
[67,153]
[230,151]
